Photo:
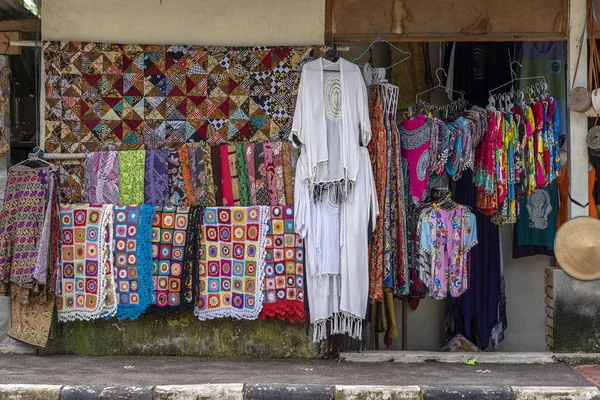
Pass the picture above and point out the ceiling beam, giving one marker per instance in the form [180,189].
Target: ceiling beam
[21,25]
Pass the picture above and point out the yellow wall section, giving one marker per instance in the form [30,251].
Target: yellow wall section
[200,22]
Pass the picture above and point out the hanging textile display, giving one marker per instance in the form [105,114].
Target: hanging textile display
[173,236]
[133,259]
[232,262]
[205,189]
[277,149]
[243,179]
[102,178]
[71,178]
[86,278]
[25,231]
[128,96]
[283,289]
[186,175]
[226,183]
[156,177]
[131,176]
[177,192]
[30,323]
[233,173]
[215,160]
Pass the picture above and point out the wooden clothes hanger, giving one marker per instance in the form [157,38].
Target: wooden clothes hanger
[406,54]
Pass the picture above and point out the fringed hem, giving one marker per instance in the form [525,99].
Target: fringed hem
[338,191]
[339,323]
[292,310]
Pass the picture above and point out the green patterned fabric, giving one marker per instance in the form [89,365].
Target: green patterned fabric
[245,196]
[132,169]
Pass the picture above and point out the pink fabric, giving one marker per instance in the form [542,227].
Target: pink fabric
[226,176]
[419,180]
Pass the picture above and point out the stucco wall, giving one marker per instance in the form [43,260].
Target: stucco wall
[201,22]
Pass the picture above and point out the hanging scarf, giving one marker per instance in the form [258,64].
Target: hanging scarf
[205,192]
[270,167]
[186,174]
[102,178]
[251,171]
[277,148]
[71,175]
[156,177]
[177,192]
[288,174]
[24,229]
[244,182]
[192,254]
[215,159]
[284,268]
[133,259]
[131,169]
[87,289]
[226,176]
[260,176]
[232,266]
[233,173]
[172,236]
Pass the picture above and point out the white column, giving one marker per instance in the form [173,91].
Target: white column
[577,147]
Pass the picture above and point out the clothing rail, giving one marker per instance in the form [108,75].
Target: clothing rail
[64,156]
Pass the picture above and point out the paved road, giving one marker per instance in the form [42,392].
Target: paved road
[149,371]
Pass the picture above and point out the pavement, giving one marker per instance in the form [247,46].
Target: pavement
[174,378]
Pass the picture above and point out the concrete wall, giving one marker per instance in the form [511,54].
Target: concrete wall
[201,22]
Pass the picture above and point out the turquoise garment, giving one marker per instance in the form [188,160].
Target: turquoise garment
[133,259]
[538,218]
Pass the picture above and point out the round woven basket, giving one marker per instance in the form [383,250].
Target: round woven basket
[577,248]
[579,99]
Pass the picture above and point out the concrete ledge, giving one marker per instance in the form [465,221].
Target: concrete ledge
[425,356]
[577,358]
[30,392]
[557,393]
[233,391]
[467,393]
[17,348]
[113,393]
[347,392]
[292,392]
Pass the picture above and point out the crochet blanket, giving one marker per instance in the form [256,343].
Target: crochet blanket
[133,259]
[232,256]
[284,268]
[86,287]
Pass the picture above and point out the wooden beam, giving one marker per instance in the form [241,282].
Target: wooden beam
[21,25]
[448,20]
[5,48]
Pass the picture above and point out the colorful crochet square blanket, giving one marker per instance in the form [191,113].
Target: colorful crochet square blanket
[133,259]
[284,268]
[86,278]
[232,256]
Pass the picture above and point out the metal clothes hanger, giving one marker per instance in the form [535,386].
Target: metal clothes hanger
[35,157]
[515,79]
[439,85]
[407,54]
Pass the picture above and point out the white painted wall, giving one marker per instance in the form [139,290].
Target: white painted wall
[200,22]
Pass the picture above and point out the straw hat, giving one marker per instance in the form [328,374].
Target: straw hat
[577,248]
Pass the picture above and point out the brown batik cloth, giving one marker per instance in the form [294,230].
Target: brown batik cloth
[30,323]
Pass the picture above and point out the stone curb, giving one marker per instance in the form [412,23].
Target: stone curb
[467,393]
[292,392]
[240,391]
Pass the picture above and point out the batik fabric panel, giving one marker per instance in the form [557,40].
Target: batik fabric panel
[86,288]
[284,268]
[133,259]
[71,177]
[177,192]
[205,189]
[106,96]
[132,166]
[102,178]
[170,228]
[231,268]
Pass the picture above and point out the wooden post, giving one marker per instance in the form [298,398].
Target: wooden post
[578,122]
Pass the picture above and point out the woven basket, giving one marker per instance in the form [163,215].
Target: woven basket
[577,248]
[579,99]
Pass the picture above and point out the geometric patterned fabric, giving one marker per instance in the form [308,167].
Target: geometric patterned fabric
[102,97]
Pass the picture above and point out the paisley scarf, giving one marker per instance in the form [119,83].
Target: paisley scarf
[156,178]
[233,173]
[102,178]
[270,167]
[260,176]
[186,174]
[177,192]
[249,147]
[226,176]
[288,175]
[278,172]
[131,170]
